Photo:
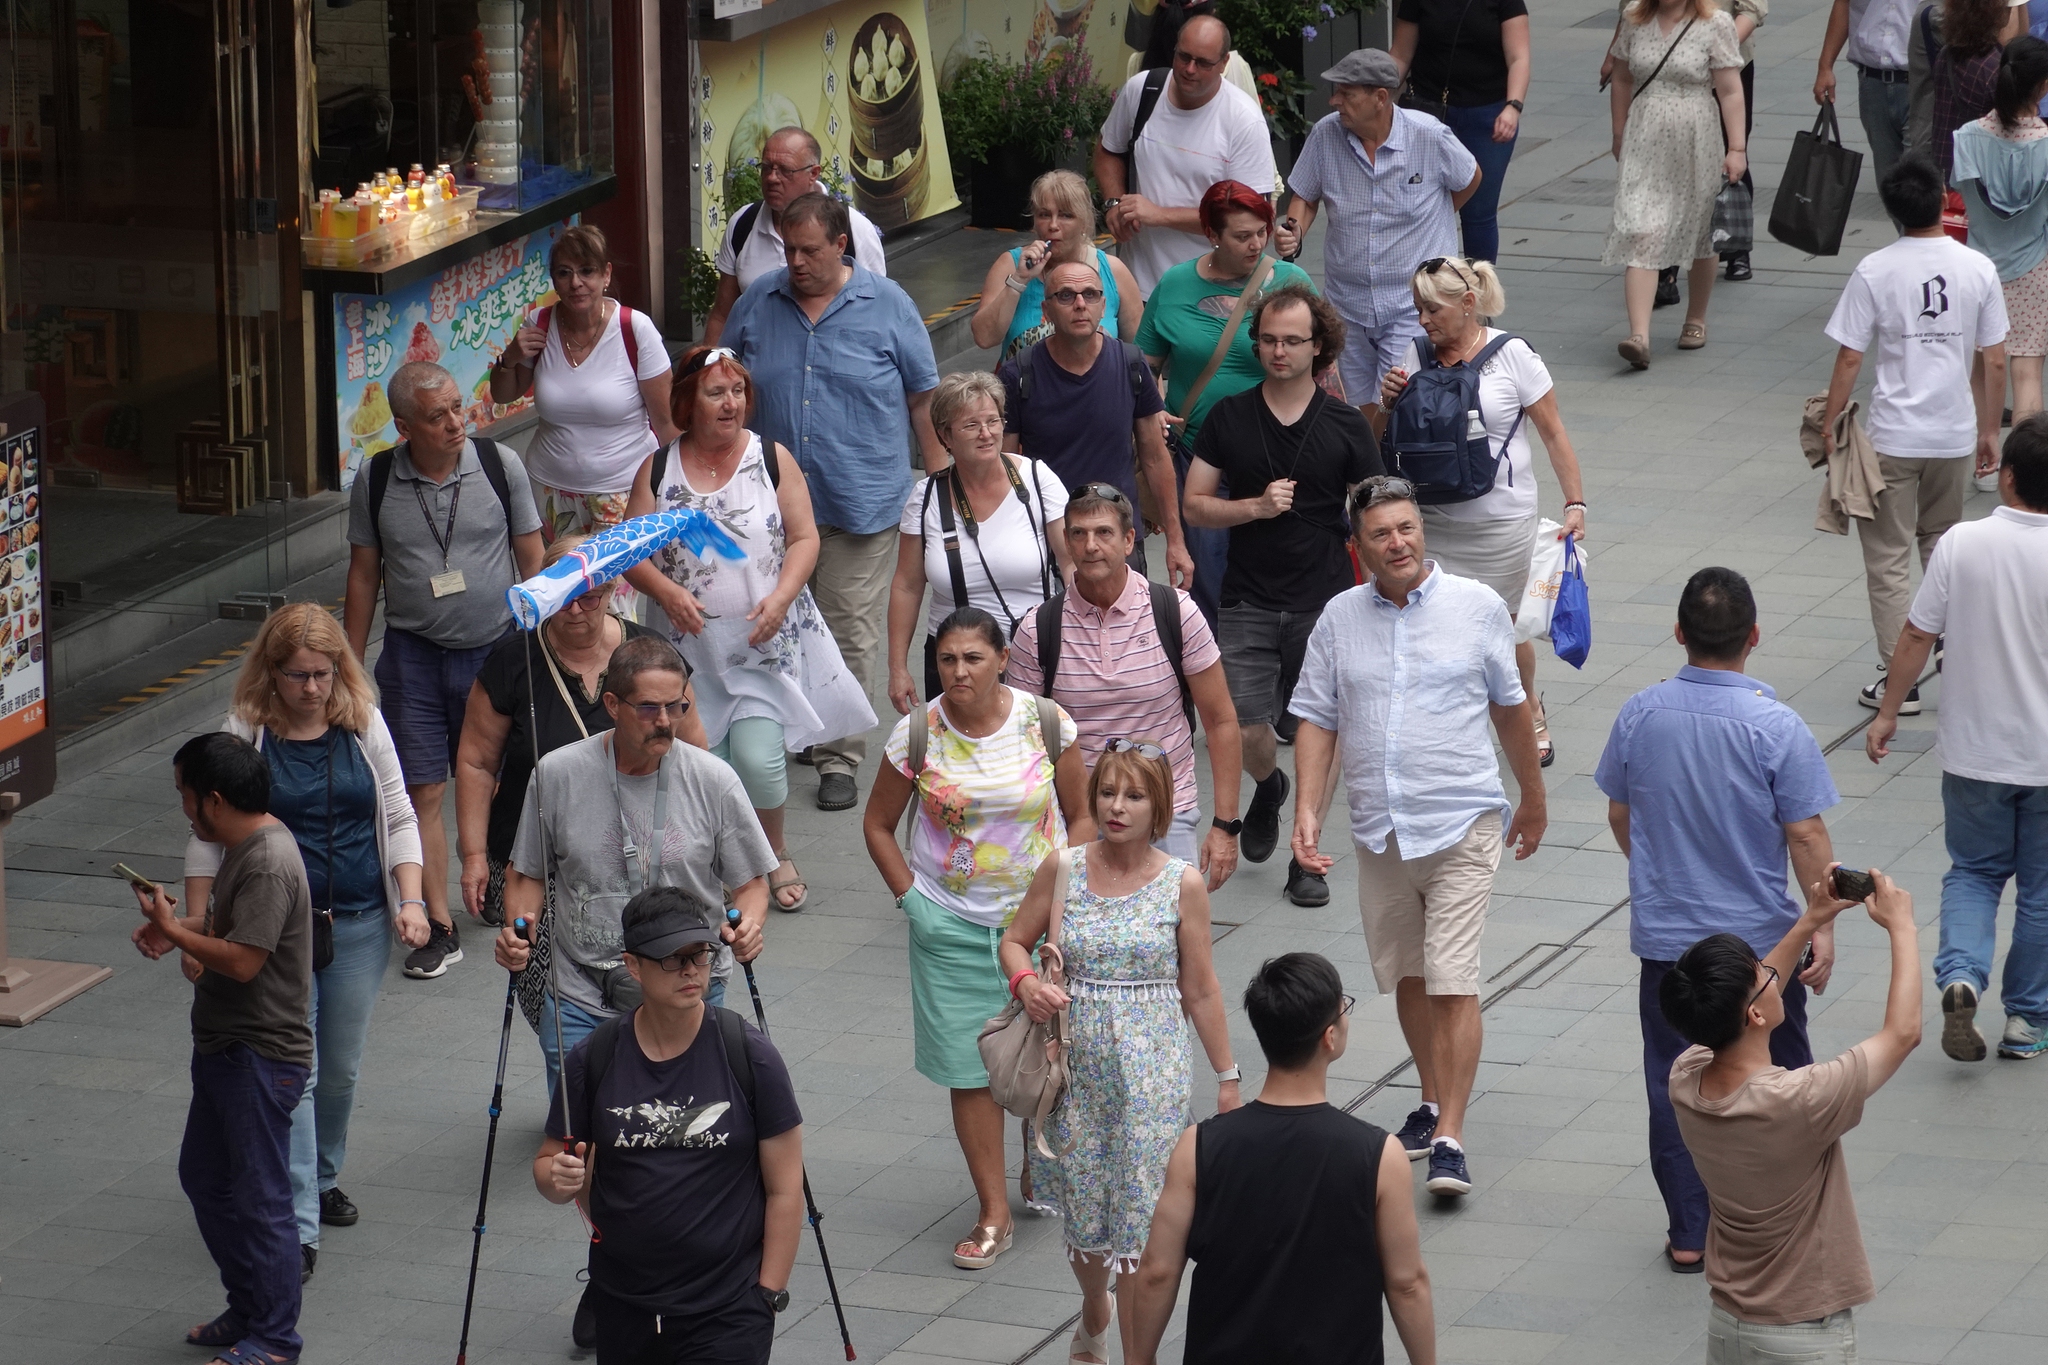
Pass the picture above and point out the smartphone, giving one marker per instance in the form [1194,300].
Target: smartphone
[134,877]
[1853,886]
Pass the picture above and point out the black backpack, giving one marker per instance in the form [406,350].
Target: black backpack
[486,455]
[604,1046]
[1431,441]
[1148,100]
[1165,620]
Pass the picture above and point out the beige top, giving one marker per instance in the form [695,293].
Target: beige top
[1782,1240]
[1758,10]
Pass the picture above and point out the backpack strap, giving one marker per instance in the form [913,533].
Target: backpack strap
[743,226]
[493,462]
[598,1056]
[1050,613]
[632,342]
[733,1031]
[918,744]
[380,484]
[1166,621]
[1478,363]
[1148,100]
[657,471]
[1049,718]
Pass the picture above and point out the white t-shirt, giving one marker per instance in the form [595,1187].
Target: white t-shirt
[1923,305]
[764,251]
[1986,590]
[1181,153]
[1011,552]
[594,429]
[1515,378]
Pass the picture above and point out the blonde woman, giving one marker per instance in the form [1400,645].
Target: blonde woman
[305,702]
[1676,102]
[1012,307]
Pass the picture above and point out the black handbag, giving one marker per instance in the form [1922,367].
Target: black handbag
[1812,208]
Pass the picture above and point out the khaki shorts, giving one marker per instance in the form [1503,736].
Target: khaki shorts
[1423,916]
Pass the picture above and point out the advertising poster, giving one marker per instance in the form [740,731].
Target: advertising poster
[862,78]
[460,319]
[1028,29]
[24,667]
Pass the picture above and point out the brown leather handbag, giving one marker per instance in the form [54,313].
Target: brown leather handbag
[1027,1061]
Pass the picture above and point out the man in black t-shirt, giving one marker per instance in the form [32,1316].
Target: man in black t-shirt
[695,1191]
[1290,453]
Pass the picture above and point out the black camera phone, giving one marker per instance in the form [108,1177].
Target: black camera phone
[1849,885]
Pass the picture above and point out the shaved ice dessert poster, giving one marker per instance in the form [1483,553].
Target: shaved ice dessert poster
[460,319]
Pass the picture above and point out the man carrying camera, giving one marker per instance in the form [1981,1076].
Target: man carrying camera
[1785,1261]
[1710,781]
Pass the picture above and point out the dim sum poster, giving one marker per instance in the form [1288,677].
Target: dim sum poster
[860,77]
[460,319]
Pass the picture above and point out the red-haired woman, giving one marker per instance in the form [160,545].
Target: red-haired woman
[1183,326]
[767,673]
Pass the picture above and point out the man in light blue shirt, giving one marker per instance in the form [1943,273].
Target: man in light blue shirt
[1710,781]
[1393,181]
[843,373]
[1405,671]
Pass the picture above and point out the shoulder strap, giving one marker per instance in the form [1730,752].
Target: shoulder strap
[1049,718]
[743,226]
[1024,367]
[543,318]
[380,483]
[1148,100]
[631,341]
[1050,613]
[1253,283]
[657,471]
[1638,92]
[1166,621]
[949,536]
[920,740]
[597,1061]
[1135,368]
[773,463]
[494,470]
[733,1030]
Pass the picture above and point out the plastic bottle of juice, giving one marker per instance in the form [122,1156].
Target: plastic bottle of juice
[415,198]
[348,218]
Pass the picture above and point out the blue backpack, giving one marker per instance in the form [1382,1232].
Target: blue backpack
[1436,433]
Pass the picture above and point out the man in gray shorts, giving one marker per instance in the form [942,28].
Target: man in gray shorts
[1287,453]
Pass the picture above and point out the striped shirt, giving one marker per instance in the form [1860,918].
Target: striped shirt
[1385,216]
[1115,679]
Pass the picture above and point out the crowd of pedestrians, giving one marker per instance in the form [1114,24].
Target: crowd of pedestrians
[622,784]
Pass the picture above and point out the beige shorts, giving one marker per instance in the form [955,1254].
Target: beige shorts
[1423,917]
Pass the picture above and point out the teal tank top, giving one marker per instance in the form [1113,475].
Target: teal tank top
[1028,325]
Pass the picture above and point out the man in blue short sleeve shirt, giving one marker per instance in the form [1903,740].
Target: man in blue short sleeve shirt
[843,372]
[1710,782]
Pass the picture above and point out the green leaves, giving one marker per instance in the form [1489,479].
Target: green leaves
[1043,109]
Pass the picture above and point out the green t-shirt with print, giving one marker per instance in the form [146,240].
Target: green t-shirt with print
[1183,320]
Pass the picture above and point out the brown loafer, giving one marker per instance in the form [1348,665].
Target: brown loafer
[1692,336]
[1636,351]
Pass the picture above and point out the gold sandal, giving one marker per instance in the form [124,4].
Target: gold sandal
[988,1243]
[1692,336]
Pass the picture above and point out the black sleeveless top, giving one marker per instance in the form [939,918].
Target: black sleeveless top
[1287,1262]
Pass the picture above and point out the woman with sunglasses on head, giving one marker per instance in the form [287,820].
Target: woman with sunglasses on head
[1011,316]
[768,674]
[1000,785]
[304,700]
[1133,933]
[989,524]
[1492,537]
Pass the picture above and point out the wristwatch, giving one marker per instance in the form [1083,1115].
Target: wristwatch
[1515,105]
[1234,1074]
[1231,827]
[1109,204]
[776,1299]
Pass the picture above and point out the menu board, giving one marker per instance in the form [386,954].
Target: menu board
[24,669]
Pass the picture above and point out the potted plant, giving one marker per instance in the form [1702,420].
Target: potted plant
[1008,123]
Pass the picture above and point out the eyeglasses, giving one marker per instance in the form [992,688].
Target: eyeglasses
[1344,1004]
[1069,297]
[652,711]
[1284,343]
[1770,980]
[318,679]
[696,959]
[982,427]
[1143,748]
[776,170]
[1378,489]
[1108,492]
[1181,58]
[596,599]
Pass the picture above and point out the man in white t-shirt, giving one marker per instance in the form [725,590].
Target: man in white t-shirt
[1927,305]
[1199,131]
[1983,593]
[752,245]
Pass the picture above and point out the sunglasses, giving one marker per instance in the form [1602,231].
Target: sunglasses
[1108,492]
[1143,748]
[653,711]
[1378,489]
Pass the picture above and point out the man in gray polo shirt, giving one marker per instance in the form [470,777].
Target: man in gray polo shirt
[446,524]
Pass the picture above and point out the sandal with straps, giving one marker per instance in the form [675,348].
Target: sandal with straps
[988,1242]
[225,1330]
[1546,752]
[776,888]
[1091,1350]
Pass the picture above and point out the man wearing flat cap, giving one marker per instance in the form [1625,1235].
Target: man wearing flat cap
[682,1140]
[1393,181]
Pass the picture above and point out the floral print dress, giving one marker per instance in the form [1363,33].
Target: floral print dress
[1130,1083]
[798,676]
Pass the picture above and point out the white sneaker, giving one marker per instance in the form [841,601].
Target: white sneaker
[2022,1039]
[1986,483]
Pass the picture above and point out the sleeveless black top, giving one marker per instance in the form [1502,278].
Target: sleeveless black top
[1287,1262]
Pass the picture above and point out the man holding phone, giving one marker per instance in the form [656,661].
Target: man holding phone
[1711,782]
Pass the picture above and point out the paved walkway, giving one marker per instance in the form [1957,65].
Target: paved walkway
[1554,1256]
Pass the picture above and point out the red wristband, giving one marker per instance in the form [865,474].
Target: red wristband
[1019,977]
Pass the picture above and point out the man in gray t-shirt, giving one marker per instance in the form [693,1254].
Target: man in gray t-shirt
[445,527]
[588,827]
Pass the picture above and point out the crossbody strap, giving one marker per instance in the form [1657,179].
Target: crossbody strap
[575,712]
[1638,94]
[1252,285]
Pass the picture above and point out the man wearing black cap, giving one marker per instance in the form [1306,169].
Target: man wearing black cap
[682,1141]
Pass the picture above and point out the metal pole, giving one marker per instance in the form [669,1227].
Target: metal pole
[483,1197]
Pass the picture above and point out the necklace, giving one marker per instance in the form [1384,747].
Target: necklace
[1214,272]
[1466,352]
[578,351]
[713,463]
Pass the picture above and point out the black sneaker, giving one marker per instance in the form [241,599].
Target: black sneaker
[443,950]
[1306,888]
[836,791]
[336,1210]
[1262,818]
[1417,1131]
[1873,697]
[1447,1174]
[1960,1038]
[308,1258]
[583,1331]
[1940,648]
[1667,287]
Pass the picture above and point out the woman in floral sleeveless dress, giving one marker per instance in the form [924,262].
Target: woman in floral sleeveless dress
[767,673]
[1135,936]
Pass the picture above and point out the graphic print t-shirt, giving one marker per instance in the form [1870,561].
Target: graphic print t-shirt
[678,1203]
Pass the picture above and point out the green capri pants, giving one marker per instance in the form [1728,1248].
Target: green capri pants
[956,986]
[753,747]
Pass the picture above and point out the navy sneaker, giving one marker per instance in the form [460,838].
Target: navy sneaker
[1416,1133]
[1447,1174]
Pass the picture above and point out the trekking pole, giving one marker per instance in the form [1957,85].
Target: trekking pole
[817,1219]
[483,1198]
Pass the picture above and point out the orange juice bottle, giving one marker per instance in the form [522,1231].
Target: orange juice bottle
[324,222]
[347,218]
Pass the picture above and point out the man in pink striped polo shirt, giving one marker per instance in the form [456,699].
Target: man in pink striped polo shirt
[1114,676]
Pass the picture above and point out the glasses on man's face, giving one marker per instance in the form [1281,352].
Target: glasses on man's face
[1143,748]
[652,711]
[775,170]
[1108,492]
[696,959]
[1070,297]
[1770,980]
[1189,59]
[317,678]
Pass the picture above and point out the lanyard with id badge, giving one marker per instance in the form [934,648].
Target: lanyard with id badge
[449,581]
[643,869]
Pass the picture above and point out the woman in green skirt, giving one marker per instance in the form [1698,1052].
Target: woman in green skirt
[1000,786]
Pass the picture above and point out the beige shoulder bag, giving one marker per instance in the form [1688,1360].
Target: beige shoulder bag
[1026,1061]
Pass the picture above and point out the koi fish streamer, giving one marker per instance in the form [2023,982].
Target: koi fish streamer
[610,553]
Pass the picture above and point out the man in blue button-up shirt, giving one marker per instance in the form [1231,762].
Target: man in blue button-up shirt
[844,374]
[1710,781]
[1405,671]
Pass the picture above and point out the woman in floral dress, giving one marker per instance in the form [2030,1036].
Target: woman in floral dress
[767,673]
[1134,933]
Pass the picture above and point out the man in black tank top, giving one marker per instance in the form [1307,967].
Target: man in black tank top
[1298,1217]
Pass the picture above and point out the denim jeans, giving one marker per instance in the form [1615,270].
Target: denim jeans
[1480,218]
[1995,833]
[1824,1341]
[1685,1197]
[1882,109]
[342,998]
[235,1168]
[577,1023]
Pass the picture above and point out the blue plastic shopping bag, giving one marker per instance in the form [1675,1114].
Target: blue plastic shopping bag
[1571,622]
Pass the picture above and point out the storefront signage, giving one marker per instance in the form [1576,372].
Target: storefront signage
[24,661]
[460,319]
